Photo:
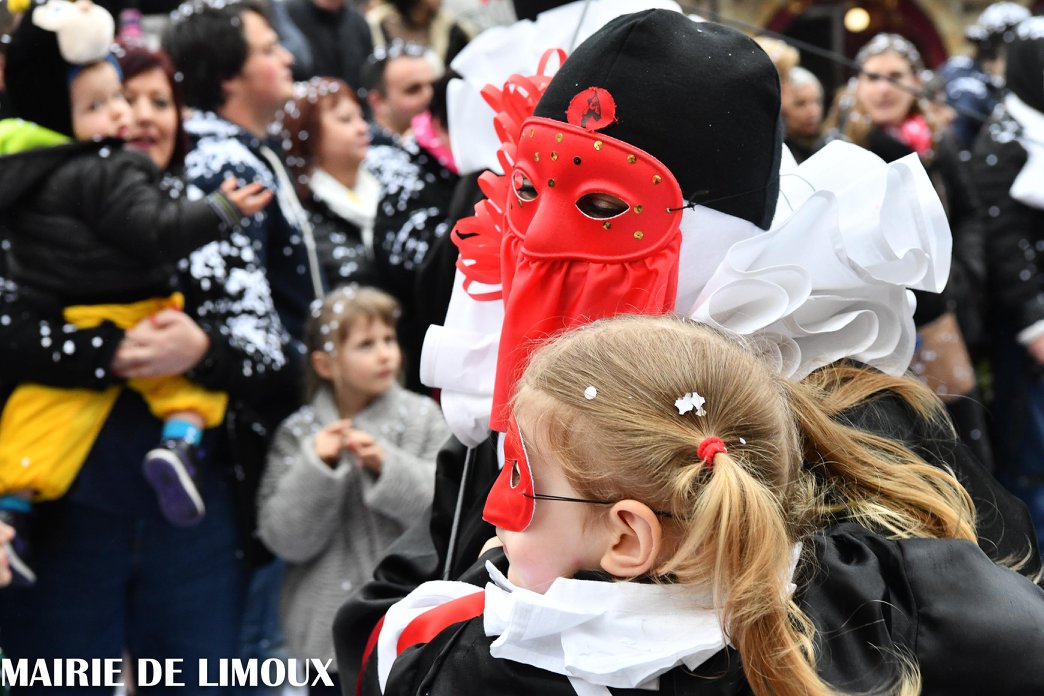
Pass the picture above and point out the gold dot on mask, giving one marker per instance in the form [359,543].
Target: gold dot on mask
[551,183]
[639,234]
[631,159]
[532,132]
[558,137]
[637,210]
[598,145]
[657,179]
[554,155]
[536,156]
[607,225]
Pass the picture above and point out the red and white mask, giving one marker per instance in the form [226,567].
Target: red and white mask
[591,231]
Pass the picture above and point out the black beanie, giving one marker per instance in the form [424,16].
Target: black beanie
[37,77]
[1024,73]
[700,97]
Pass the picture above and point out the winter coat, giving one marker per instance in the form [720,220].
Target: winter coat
[424,552]
[221,149]
[332,525]
[969,627]
[331,44]
[89,224]
[412,216]
[343,228]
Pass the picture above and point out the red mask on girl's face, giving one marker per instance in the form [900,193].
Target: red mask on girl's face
[587,235]
[507,506]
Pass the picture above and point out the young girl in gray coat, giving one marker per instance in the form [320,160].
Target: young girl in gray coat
[347,472]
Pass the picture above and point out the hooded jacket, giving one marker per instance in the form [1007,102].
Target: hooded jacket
[89,223]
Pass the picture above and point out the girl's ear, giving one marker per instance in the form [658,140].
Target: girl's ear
[636,538]
[322,363]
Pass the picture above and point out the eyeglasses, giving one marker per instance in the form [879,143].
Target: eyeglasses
[566,499]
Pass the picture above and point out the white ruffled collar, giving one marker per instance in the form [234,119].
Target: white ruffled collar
[616,634]
[609,634]
[1028,187]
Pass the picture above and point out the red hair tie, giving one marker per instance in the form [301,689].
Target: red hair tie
[710,447]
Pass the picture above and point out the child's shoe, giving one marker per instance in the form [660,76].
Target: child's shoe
[170,470]
[18,549]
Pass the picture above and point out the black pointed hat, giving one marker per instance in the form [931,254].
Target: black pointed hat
[700,97]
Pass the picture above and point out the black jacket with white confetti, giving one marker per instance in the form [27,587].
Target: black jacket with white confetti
[1014,231]
[416,192]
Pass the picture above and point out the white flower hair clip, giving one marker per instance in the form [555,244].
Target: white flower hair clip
[689,402]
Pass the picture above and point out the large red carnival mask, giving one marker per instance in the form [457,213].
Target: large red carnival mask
[582,226]
[592,231]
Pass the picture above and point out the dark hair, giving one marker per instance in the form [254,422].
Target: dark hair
[405,9]
[135,61]
[439,105]
[303,115]
[372,74]
[207,45]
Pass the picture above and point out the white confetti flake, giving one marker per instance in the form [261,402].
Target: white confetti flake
[690,401]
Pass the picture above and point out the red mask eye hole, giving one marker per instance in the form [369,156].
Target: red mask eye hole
[516,474]
[524,188]
[601,206]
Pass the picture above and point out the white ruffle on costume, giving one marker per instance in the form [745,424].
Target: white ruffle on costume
[597,634]
[828,281]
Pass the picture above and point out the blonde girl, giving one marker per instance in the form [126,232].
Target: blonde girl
[657,451]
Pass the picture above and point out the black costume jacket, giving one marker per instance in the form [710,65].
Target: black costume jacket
[969,626]
[464,477]
[90,224]
[1014,231]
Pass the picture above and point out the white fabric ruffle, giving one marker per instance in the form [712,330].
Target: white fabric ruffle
[616,634]
[830,278]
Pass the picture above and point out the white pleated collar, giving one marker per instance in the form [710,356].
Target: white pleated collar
[613,634]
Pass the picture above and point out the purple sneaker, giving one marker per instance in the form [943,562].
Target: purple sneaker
[169,470]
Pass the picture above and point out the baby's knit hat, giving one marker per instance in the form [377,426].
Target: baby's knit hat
[50,45]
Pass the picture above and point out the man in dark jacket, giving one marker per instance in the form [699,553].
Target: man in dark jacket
[334,39]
